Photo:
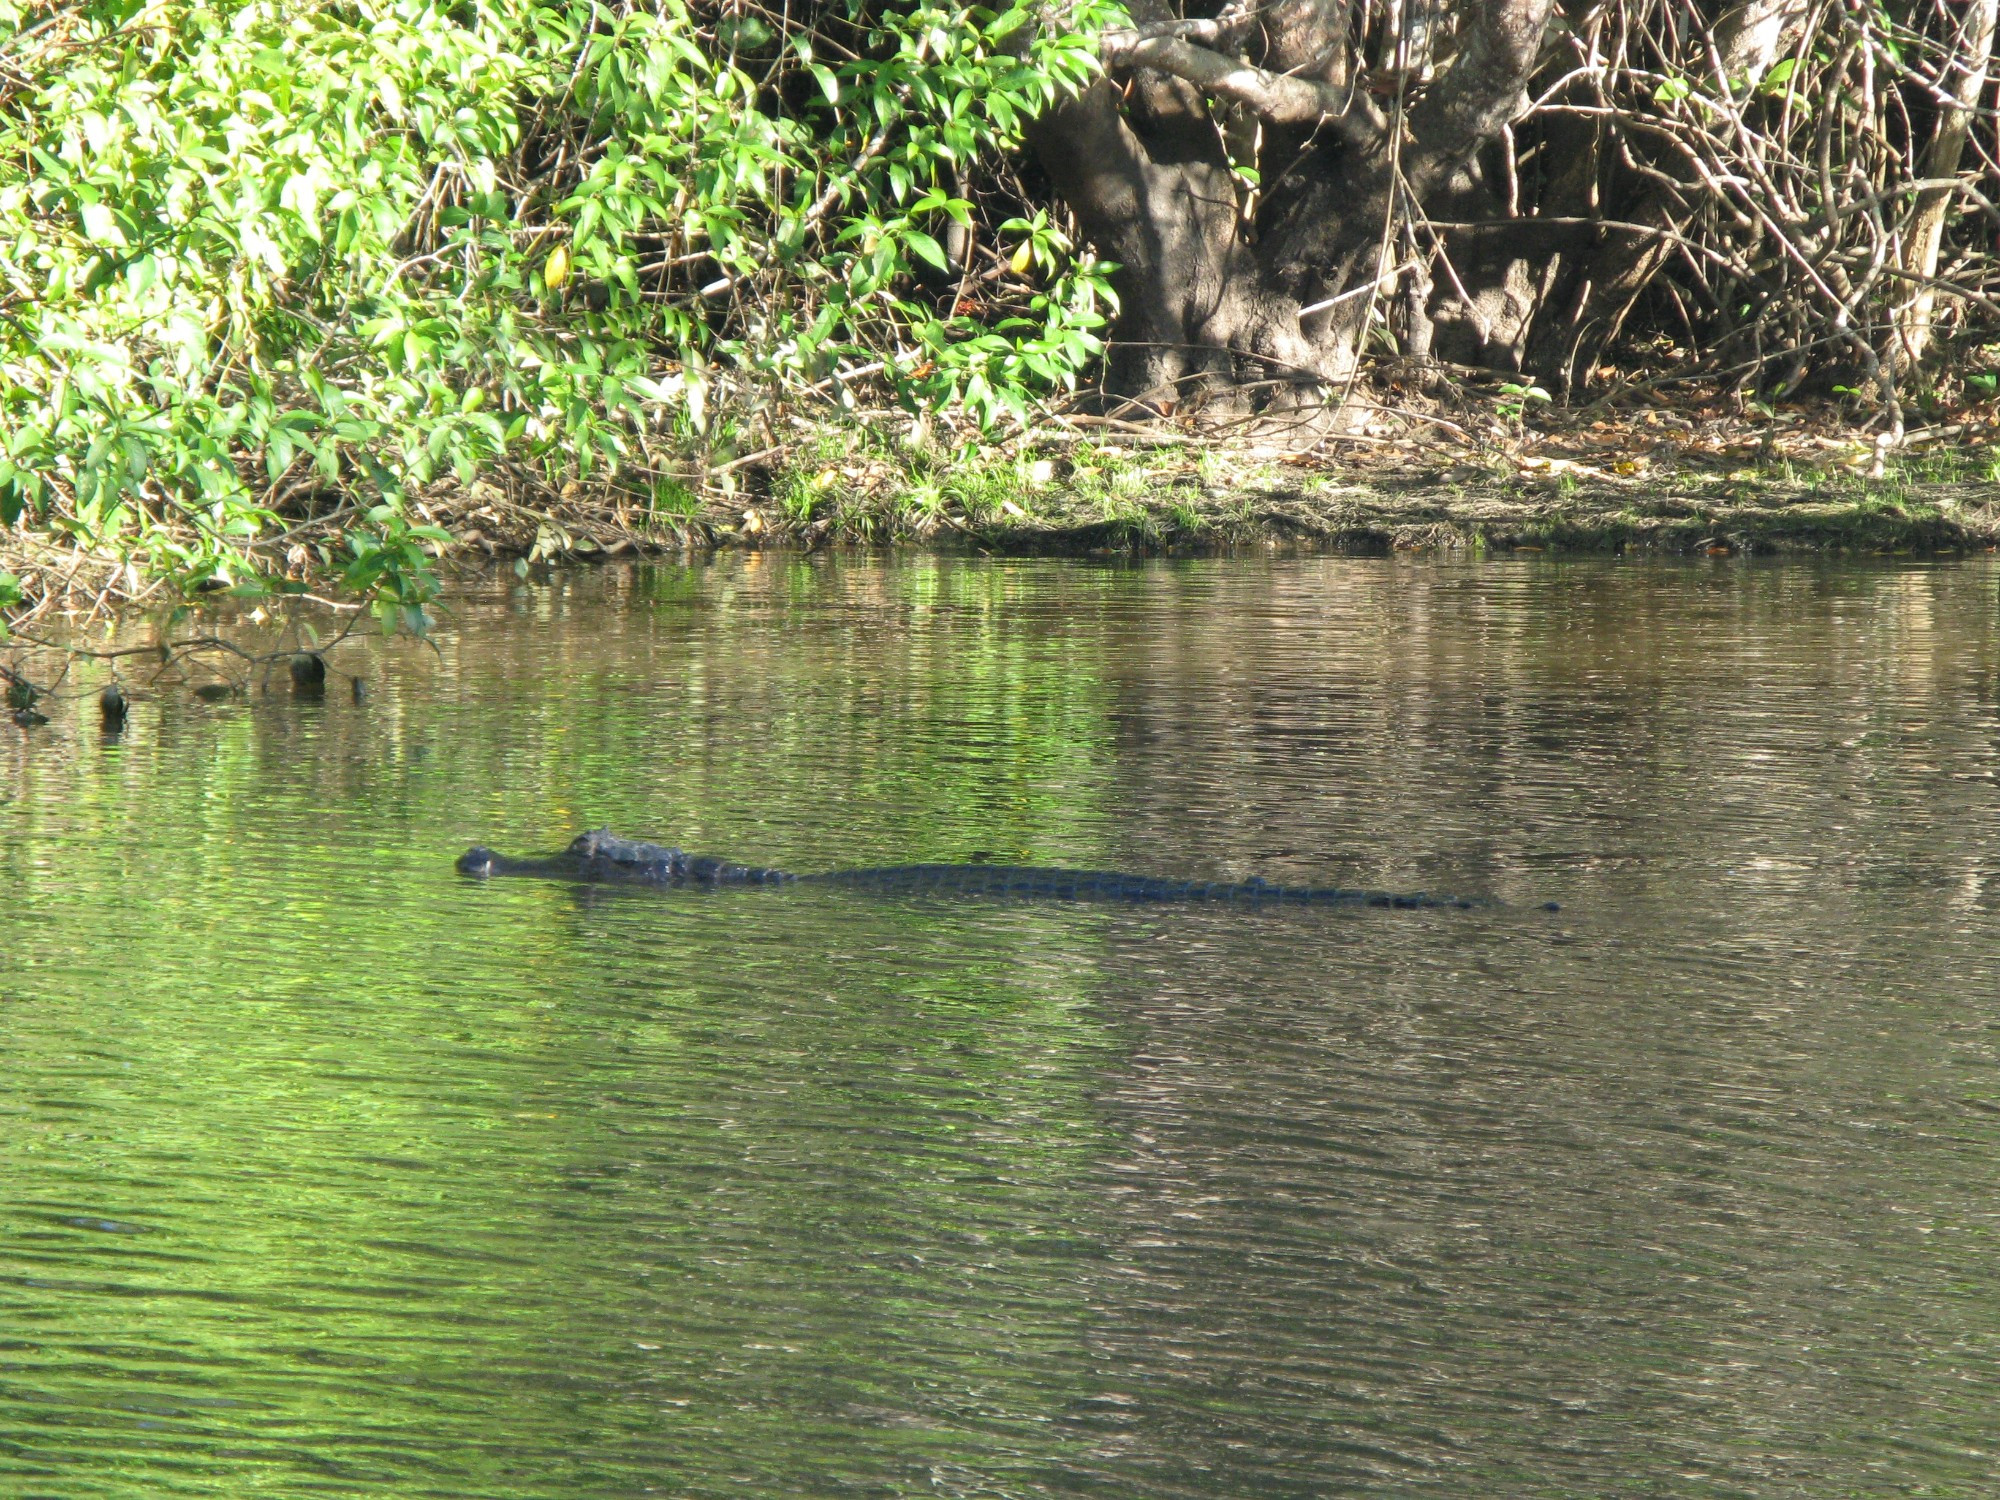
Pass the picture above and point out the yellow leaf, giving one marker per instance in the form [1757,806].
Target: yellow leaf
[556,271]
[1023,258]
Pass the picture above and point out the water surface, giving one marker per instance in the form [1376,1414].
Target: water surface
[326,1172]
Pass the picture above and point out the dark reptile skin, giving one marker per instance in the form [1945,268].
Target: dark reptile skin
[1104,885]
[602,856]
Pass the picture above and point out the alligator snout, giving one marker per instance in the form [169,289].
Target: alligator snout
[478,860]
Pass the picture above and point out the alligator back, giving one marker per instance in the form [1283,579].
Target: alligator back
[1103,885]
[601,855]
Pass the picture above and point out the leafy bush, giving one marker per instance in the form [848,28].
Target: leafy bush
[264,260]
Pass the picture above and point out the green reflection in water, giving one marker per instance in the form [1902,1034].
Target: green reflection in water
[323,1171]
[327,1170]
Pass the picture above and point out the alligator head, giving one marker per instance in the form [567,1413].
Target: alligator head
[601,855]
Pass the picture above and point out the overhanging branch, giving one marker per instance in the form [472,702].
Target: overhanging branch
[1275,98]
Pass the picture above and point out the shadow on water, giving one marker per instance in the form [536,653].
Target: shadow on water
[325,1171]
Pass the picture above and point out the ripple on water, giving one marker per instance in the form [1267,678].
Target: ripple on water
[324,1171]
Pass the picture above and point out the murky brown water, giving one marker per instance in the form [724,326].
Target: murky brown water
[325,1172]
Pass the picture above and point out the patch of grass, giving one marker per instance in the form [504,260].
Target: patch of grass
[982,492]
[868,483]
[673,498]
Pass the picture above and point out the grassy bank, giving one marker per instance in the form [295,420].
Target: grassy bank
[1672,481]
[1222,498]
[1695,479]
[315,299]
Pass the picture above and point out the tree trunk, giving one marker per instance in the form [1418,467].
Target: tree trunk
[1916,319]
[1281,181]
[1273,307]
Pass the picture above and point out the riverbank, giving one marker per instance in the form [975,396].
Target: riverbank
[1702,478]
[1417,512]
[1688,479]
[1463,509]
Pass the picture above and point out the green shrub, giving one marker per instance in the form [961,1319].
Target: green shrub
[258,260]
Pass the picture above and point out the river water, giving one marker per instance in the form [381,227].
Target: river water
[325,1172]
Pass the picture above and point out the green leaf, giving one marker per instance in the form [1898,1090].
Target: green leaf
[101,225]
[926,247]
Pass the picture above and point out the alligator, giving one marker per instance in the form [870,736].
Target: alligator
[602,856]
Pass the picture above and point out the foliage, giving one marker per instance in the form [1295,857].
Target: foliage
[1516,397]
[274,277]
[1806,191]
[1779,192]
[262,261]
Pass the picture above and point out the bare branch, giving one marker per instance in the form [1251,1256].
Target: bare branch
[1276,98]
